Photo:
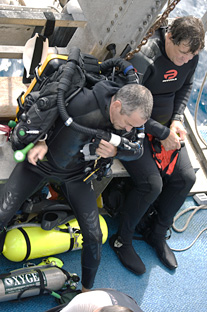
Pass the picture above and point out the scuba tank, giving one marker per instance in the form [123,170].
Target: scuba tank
[34,280]
[30,241]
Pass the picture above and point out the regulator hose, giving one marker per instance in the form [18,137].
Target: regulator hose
[123,65]
[66,81]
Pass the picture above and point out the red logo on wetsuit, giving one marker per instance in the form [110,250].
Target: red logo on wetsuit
[170,74]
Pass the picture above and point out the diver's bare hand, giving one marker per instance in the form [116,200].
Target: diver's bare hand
[106,149]
[172,142]
[37,152]
[177,127]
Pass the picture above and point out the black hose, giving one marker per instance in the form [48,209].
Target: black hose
[114,62]
[66,82]
[83,129]
[64,85]
[123,65]
[68,120]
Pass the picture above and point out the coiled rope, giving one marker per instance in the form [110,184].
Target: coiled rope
[195,209]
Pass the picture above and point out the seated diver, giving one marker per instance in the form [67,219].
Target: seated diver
[106,106]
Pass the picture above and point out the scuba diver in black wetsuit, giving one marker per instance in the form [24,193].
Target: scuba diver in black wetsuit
[167,64]
[106,107]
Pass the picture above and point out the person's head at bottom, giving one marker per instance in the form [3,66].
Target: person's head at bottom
[114,308]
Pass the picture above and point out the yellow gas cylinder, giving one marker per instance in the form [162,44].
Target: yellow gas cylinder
[25,243]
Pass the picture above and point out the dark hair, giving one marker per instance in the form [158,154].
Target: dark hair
[190,29]
[134,97]
[115,308]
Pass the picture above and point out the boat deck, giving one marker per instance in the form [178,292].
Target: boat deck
[158,290]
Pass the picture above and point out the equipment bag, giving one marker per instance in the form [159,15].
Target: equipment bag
[115,194]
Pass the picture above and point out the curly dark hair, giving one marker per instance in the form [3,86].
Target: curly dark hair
[190,29]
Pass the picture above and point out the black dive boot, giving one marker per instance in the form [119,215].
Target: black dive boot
[156,237]
[127,255]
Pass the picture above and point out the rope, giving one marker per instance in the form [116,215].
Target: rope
[195,209]
[196,109]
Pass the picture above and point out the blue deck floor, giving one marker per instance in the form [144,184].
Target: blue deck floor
[158,290]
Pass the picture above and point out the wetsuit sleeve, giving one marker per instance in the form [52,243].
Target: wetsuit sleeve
[129,155]
[182,96]
[157,129]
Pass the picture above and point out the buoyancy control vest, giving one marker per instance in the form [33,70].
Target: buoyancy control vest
[51,91]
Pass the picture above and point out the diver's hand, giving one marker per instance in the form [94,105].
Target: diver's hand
[106,149]
[177,134]
[172,142]
[177,127]
[37,152]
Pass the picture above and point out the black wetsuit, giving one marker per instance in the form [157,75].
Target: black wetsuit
[171,86]
[66,165]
